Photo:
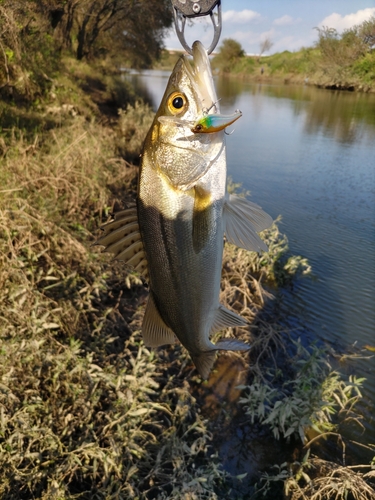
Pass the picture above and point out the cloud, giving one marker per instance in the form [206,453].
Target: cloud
[293,43]
[340,23]
[240,17]
[286,21]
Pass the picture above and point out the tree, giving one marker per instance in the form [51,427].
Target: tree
[229,54]
[96,26]
[264,46]
[340,50]
[27,52]
[33,33]
[366,31]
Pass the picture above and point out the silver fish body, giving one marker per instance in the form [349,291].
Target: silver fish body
[183,212]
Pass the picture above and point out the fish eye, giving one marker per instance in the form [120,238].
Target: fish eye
[177,103]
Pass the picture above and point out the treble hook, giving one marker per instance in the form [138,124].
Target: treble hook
[183,10]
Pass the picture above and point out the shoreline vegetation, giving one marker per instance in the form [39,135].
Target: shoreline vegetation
[86,410]
[337,61]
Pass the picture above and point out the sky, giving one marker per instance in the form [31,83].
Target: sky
[288,24]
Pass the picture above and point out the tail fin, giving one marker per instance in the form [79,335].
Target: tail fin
[205,360]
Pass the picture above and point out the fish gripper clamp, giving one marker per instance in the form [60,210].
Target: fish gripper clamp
[184,9]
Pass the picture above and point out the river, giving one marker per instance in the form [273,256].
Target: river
[308,154]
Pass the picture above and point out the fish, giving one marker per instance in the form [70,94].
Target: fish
[174,235]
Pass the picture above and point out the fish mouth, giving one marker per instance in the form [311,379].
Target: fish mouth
[209,119]
[203,79]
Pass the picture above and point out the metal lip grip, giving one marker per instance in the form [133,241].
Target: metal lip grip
[184,9]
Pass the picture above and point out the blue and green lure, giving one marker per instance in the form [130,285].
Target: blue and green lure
[214,123]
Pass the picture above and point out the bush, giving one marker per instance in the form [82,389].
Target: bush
[230,53]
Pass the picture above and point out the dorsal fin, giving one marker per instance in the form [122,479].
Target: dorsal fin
[123,239]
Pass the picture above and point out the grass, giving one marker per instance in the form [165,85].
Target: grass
[86,411]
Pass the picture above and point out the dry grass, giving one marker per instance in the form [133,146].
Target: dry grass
[329,481]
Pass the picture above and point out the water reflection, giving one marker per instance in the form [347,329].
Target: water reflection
[323,109]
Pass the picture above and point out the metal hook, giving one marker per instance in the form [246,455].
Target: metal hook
[181,17]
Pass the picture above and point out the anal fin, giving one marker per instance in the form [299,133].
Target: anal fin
[154,331]
[204,362]
[225,318]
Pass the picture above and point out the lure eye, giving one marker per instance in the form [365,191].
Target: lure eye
[177,103]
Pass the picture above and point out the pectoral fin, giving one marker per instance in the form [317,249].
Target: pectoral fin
[242,220]
[225,318]
[202,218]
[154,331]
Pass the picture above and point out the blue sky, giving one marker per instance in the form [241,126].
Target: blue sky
[289,24]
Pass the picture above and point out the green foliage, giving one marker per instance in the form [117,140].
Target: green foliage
[365,68]
[230,53]
[31,56]
[366,31]
[302,62]
[291,406]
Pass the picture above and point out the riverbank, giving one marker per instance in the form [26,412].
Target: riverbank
[86,409]
[304,67]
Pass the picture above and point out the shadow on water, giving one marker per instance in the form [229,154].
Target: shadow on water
[244,449]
